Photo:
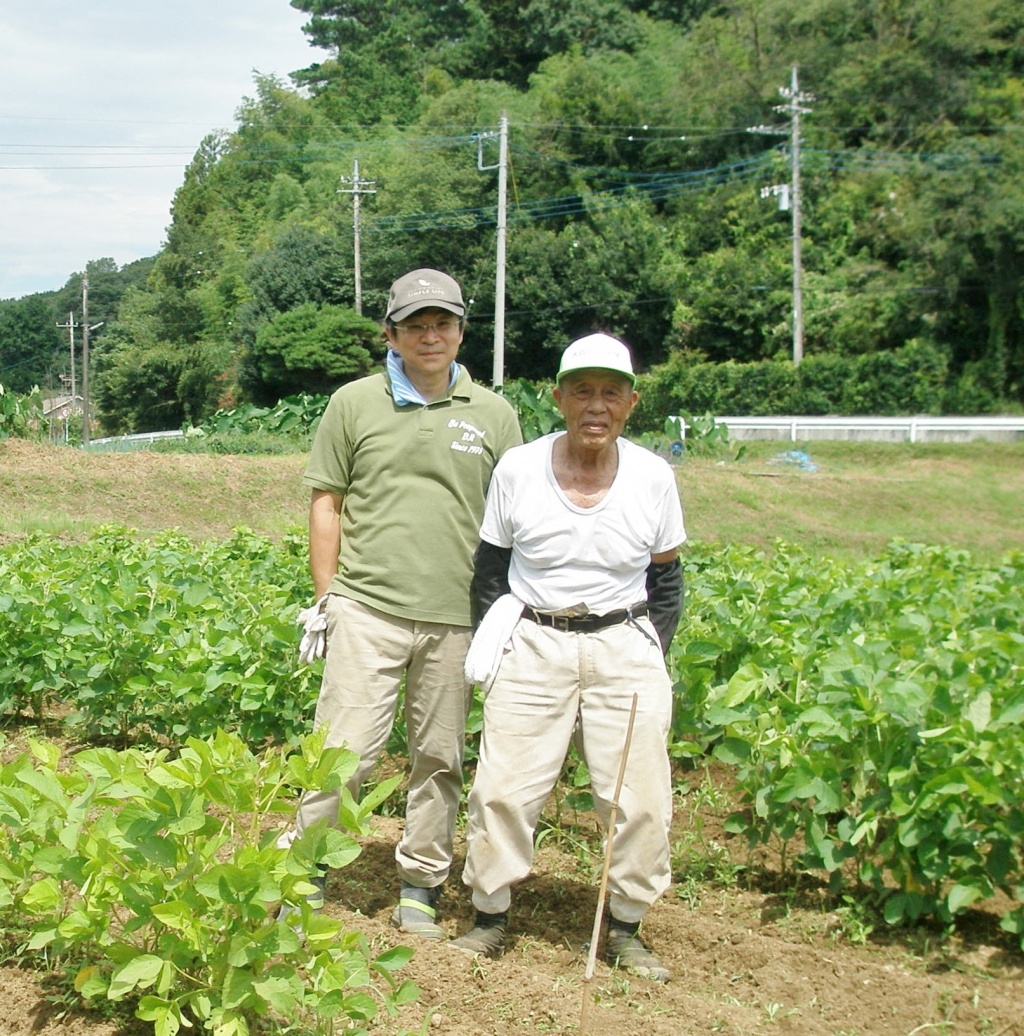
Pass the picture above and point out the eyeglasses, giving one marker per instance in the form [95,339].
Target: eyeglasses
[442,327]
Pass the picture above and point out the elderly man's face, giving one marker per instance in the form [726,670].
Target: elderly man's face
[427,341]
[595,405]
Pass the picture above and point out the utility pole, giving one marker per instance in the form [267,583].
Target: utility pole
[795,98]
[86,328]
[85,361]
[71,325]
[498,373]
[358,188]
[789,196]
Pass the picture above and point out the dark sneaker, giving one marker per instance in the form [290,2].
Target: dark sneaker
[486,938]
[416,912]
[624,949]
[314,899]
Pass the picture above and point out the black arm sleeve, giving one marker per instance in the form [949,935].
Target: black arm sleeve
[665,599]
[490,578]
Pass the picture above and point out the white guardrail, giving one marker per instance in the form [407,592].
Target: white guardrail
[126,443]
[791,429]
[895,429]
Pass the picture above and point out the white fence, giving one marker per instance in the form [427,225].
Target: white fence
[791,429]
[894,429]
[127,443]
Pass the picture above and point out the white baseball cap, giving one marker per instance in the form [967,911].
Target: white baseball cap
[597,352]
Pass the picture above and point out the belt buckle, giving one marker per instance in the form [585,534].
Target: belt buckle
[561,622]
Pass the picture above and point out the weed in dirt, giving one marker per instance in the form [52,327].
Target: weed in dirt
[856,921]
[699,860]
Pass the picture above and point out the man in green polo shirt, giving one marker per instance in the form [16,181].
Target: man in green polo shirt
[399,473]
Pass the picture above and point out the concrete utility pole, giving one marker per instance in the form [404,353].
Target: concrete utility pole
[498,373]
[358,188]
[85,361]
[71,325]
[795,98]
[789,196]
[86,328]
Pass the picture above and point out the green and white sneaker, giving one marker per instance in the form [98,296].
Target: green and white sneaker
[417,913]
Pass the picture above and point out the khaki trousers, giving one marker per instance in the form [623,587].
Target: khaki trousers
[367,655]
[548,682]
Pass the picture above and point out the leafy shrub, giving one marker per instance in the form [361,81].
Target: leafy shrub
[911,380]
[872,714]
[534,406]
[157,639]
[155,880]
[821,380]
[20,416]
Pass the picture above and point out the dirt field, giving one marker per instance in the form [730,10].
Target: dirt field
[751,952]
[751,955]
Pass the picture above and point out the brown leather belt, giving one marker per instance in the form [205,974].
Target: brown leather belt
[584,623]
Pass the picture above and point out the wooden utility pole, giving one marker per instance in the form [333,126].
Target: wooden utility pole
[71,325]
[358,188]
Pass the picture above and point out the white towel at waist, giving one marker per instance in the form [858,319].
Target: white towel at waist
[493,633]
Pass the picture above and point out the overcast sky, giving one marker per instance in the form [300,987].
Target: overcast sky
[103,105]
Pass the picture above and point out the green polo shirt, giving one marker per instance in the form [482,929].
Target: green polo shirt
[414,479]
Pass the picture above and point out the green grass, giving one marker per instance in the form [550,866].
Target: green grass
[862,495]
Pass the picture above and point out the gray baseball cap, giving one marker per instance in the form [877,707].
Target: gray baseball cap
[423,289]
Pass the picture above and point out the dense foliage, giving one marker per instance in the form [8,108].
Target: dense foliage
[871,711]
[634,200]
[153,880]
[872,715]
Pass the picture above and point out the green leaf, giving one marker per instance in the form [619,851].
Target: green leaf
[282,989]
[238,988]
[42,939]
[719,716]
[174,914]
[393,959]
[164,1013]
[141,971]
[732,750]
[962,896]
[42,896]
[979,711]
[744,683]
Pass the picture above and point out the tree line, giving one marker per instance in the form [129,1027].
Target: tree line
[634,200]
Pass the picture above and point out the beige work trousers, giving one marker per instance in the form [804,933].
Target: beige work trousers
[548,682]
[367,655]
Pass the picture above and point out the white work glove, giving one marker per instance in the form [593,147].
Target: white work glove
[314,633]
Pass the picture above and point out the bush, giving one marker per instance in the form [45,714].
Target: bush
[910,380]
[20,416]
[820,381]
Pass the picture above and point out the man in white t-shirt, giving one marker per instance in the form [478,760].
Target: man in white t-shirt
[581,533]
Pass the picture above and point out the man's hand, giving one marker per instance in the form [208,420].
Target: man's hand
[314,632]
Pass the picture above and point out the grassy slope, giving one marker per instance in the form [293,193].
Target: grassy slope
[969,495]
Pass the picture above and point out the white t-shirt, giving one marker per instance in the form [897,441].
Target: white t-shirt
[579,560]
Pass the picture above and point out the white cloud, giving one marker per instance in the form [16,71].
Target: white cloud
[102,107]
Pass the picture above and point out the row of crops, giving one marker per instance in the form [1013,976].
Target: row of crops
[872,713]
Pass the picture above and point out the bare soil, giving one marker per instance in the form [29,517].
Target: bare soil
[752,953]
